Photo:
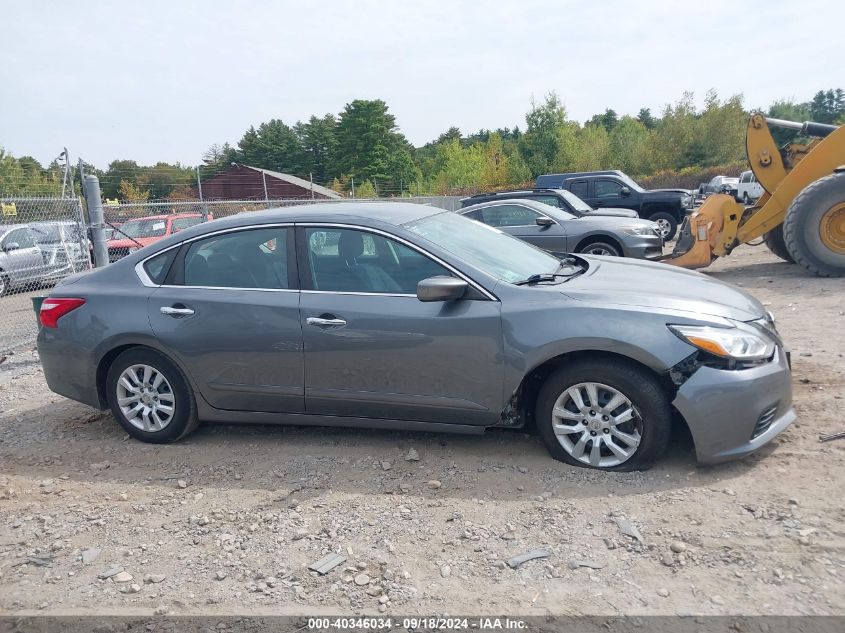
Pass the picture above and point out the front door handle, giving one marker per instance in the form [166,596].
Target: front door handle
[171,311]
[321,322]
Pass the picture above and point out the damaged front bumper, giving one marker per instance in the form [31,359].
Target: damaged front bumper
[732,413]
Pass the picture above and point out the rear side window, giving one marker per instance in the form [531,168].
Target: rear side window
[157,267]
[553,201]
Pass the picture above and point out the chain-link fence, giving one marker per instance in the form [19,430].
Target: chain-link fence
[42,240]
[130,226]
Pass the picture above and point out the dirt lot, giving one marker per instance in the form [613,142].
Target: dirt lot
[228,520]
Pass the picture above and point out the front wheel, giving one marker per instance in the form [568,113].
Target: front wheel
[150,397]
[814,228]
[604,414]
[600,248]
[666,223]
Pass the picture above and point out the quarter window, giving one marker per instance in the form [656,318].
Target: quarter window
[253,258]
[157,267]
[607,189]
[349,260]
[509,215]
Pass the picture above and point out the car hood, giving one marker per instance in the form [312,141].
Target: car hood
[631,282]
[616,212]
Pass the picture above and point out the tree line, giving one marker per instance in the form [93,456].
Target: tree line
[362,149]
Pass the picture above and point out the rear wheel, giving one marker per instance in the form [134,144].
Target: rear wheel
[814,228]
[667,225]
[600,248]
[774,241]
[604,414]
[150,397]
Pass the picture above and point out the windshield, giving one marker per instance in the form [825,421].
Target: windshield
[631,184]
[497,254]
[150,227]
[575,202]
[52,233]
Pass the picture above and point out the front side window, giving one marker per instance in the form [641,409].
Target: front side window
[351,260]
[180,224]
[608,189]
[252,258]
[580,188]
[509,215]
[552,201]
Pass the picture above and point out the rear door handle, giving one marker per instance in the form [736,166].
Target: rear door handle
[170,311]
[321,322]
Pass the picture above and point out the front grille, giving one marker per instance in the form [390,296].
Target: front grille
[764,421]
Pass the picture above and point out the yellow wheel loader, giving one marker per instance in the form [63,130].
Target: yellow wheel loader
[801,214]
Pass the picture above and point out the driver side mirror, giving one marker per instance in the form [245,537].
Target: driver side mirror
[11,246]
[441,289]
[544,221]
[624,192]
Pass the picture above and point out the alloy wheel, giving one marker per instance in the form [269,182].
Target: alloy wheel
[600,249]
[145,398]
[663,227]
[597,424]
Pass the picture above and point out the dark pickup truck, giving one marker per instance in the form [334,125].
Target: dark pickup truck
[666,207]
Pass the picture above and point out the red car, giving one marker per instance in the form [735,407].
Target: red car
[139,232]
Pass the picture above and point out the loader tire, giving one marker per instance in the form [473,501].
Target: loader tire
[774,241]
[814,228]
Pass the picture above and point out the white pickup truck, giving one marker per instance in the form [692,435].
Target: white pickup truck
[748,189]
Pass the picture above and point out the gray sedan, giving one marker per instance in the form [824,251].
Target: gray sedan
[407,317]
[559,232]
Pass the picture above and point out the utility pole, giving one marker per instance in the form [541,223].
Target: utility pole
[264,180]
[91,190]
[66,170]
[199,190]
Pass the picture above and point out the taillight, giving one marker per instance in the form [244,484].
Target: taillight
[54,308]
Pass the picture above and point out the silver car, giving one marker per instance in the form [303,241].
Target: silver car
[403,316]
[560,232]
[63,245]
[21,259]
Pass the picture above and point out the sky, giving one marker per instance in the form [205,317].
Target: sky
[159,80]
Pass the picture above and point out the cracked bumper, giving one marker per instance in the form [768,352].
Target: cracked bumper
[722,408]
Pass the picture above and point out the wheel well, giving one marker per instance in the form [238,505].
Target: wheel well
[662,208]
[533,381]
[592,239]
[103,370]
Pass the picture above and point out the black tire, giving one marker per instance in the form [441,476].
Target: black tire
[184,420]
[670,220]
[803,225]
[745,199]
[590,248]
[4,284]
[775,243]
[637,384]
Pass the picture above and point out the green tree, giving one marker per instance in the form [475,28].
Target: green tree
[595,148]
[827,106]
[628,146]
[366,190]
[119,170]
[318,141]
[463,167]
[539,143]
[275,146]
[366,137]
[645,117]
[495,172]
[130,192]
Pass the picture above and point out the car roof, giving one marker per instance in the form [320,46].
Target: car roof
[541,207]
[512,192]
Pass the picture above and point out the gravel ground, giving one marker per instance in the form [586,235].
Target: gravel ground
[229,520]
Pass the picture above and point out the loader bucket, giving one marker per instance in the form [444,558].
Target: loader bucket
[701,232]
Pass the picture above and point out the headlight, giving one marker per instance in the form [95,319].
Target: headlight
[739,342]
[639,230]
